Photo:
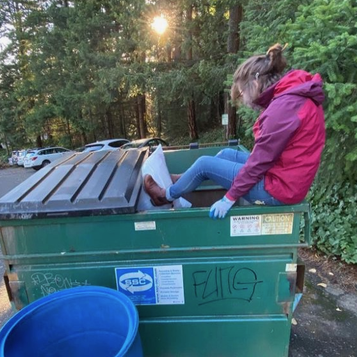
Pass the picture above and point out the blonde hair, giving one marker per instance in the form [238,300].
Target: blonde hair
[265,69]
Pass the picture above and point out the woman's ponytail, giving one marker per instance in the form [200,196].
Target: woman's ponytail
[277,61]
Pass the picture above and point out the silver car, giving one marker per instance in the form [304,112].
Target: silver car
[111,144]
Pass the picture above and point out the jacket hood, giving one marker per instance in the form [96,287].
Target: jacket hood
[296,82]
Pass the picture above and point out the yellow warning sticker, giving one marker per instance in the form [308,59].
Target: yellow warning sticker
[266,224]
[281,223]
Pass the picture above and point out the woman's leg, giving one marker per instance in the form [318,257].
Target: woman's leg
[236,156]
[257,195]
[226,154]
[222,172]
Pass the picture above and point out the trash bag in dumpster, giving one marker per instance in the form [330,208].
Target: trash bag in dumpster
[156,166]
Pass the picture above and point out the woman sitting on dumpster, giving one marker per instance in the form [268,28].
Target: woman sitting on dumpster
[289,139]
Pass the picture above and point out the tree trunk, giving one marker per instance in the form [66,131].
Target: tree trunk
[84,137]
[191,109]
[39,141]
[137,115]
[68,129]
[109,123]
[141,116]
[231,132]
[213,112]
[192,124]
[235,17]
[122,122]
[177,53]
[189,33]
[168,53]
[159,118]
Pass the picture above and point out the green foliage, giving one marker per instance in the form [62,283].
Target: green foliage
[329,47]
[85,62]
[334,224]
[11,110]
[216,135]
[3,158]
[322,38]
[213,136]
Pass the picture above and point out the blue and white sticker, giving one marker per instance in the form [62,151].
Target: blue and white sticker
[157,285]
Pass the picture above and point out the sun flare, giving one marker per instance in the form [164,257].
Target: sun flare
[159,24]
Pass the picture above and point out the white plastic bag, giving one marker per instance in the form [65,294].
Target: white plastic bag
[155,165]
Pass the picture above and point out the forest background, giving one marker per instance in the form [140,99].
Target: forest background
[74,72]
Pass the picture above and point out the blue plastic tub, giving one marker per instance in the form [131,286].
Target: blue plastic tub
[88,321]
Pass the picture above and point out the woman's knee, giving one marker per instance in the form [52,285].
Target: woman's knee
[203,164]
[222,154]
[202,160]
[233,155]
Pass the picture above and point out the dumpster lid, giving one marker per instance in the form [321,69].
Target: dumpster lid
[79,184]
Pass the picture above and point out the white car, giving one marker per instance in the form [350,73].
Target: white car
[42,157]
[21,157]
[111,144]
[150,142]
[13,158]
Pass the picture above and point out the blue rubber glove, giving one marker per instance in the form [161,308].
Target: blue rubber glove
[220,208]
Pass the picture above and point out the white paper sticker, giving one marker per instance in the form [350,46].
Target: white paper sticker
[224,119]
[145,226]
[266,224]
[245,225]
[169,285]
[291,267]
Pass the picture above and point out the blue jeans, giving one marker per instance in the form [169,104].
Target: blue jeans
[221,169]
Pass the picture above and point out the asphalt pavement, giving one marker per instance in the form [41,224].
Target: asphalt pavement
[325,321]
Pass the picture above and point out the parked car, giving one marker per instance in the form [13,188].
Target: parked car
[21,157]
[80,149]
[11,161]
[150,142]
[13,158]
[29,154]
[111,144]
[42,157]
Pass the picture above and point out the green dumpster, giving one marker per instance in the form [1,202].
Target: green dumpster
[202,287]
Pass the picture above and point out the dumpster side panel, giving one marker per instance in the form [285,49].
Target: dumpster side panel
[245,285]
[164,231]
[226,337]
[229,304]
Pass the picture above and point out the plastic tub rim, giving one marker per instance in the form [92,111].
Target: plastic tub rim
[46,300]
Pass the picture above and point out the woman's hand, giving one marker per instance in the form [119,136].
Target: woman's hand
[220,208]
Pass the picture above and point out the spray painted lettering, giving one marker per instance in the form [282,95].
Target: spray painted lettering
[224,283]
[50,283]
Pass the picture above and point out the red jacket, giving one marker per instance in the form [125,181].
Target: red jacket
[289,139]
